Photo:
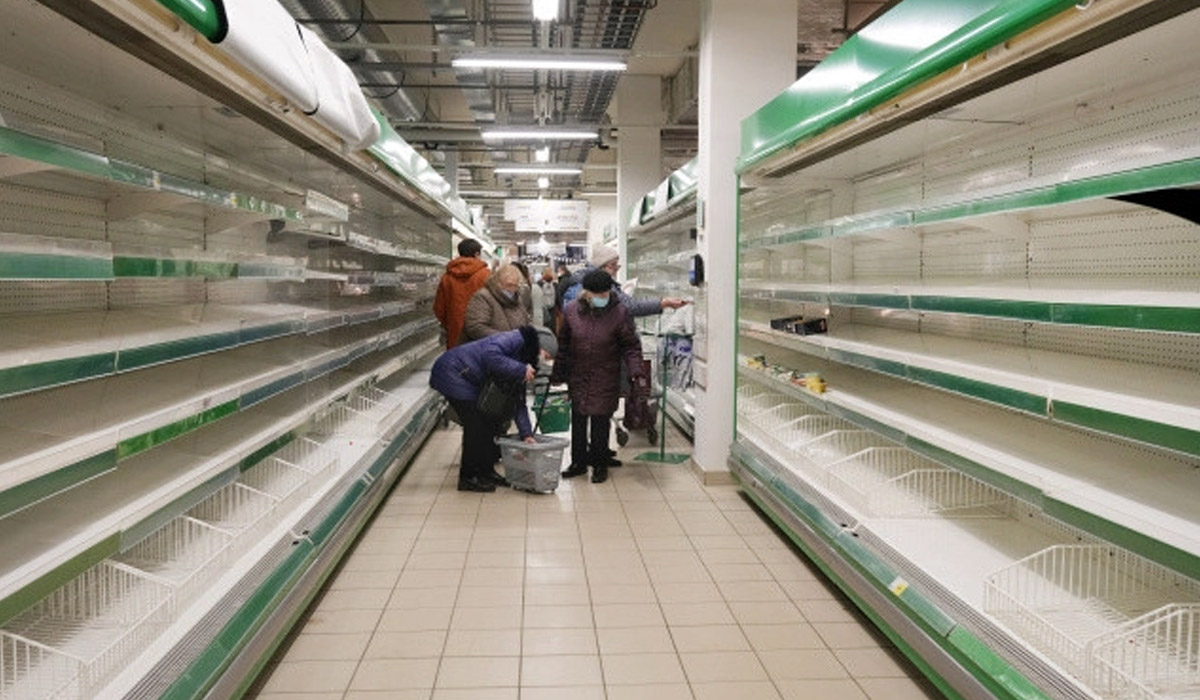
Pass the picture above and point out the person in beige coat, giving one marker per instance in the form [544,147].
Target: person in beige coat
[498,305]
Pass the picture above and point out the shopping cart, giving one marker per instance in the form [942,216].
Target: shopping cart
[641,408]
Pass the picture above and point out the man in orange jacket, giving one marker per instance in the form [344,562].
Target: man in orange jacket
[463,276]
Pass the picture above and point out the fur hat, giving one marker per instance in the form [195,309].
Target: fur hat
[602,255]
[597,281]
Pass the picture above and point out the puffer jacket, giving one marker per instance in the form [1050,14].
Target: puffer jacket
[463,277]
[491,311]
[459,373]
[592,343]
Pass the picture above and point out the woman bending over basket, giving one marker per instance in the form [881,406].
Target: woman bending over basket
[510,360]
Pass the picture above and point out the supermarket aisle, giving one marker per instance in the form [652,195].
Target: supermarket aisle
[648,586]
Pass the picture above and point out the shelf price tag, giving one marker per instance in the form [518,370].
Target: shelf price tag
[898,586]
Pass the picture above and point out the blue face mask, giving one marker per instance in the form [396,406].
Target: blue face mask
[599,302]
[510,295]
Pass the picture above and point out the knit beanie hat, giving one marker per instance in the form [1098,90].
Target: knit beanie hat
[597,281]
[602,255]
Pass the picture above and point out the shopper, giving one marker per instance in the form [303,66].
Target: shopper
[595,338]
[608,259]
[509,358]
[497,306]
[463,277]
[545,297]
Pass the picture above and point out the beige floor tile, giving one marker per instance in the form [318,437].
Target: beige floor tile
[765,613]
[556,594]
[713,613]
[342,621]
[725,573]
[709,638]
[716,666]
[557,641]
[874,663]
[429,578]
[327,647]
[475,694]
[394,674]
[368,599]
[821,689]
[374,562]
[654,691]
[300,696]
[738,690]
[702,592]
[436,560]
[641,669]
[412,598]
[671,557]
[406,645]
[728,556]
[428,545]
[489,596]
[479,672]
[310,677]
[778,637]
[659,543]
[628,615]
[827,611]
[752,591]
[553,543]
[792,570]
[802,664]
[696,573]
[560,671]
[554,559]
[362,580]
[809,590]
[614,593]
[574,575]
[713,542]
[493,577]
[491,618]
[415,620]
[850,635]
[898,689]
[631,559]
[617,574]
[635,640]
[491,544]
[574,692]
[483,642]
[495,560]
[406,694]
[543,616]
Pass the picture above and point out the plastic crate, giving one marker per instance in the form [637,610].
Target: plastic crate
[532,467]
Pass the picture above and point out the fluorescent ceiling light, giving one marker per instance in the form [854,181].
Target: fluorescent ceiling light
[543,182]
[539,63]
[540,134]
[537,170]
[545,10]
[542,155]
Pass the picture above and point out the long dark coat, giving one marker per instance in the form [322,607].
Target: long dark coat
[591,345]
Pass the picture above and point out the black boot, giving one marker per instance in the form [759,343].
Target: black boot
[574,470]
[599,474]
[491,476]
[475,484]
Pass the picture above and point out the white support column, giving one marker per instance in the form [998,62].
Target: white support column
[639,146]
[747,57]
[452,171]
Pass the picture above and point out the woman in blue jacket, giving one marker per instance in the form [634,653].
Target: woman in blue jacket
[510,358]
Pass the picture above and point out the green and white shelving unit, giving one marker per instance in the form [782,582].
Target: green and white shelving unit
[993,216]
[659,248]
[215,353]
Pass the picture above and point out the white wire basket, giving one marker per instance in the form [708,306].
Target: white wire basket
[783,414]
[806,429]
[835,444]
[183,552]
[1155,656]
[309,455]
[235,508]
[68,644]
[278,479]
[896,482]
[1067,598]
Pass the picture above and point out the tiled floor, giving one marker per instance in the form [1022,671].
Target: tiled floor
[650,586]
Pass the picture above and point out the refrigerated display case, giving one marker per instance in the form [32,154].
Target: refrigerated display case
[985,203]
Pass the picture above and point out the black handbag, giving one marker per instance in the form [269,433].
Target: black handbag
[495,399]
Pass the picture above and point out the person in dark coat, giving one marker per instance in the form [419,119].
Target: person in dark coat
[595,338]
[510,358]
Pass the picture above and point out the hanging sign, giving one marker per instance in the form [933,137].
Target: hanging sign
[547,214]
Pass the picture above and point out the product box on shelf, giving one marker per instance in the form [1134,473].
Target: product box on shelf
[800,326]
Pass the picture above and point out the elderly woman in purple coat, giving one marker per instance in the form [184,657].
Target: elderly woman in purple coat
[595,338]
[509,358]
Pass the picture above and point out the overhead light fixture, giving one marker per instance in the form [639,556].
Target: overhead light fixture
[540,134]
[545,10]
[582,63]
[543,182]
[542,155]
[537,170]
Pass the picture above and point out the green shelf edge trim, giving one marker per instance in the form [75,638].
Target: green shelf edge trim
[975,306]
[30,492]
[761,135]
[170,351]
[202,673]
[42,375]
[39,266]
[140,443]
[1151,432]
[35,148]
[19,601]
[256,457]
[988,666]
[128,266]
[992,393]
[1160,552]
